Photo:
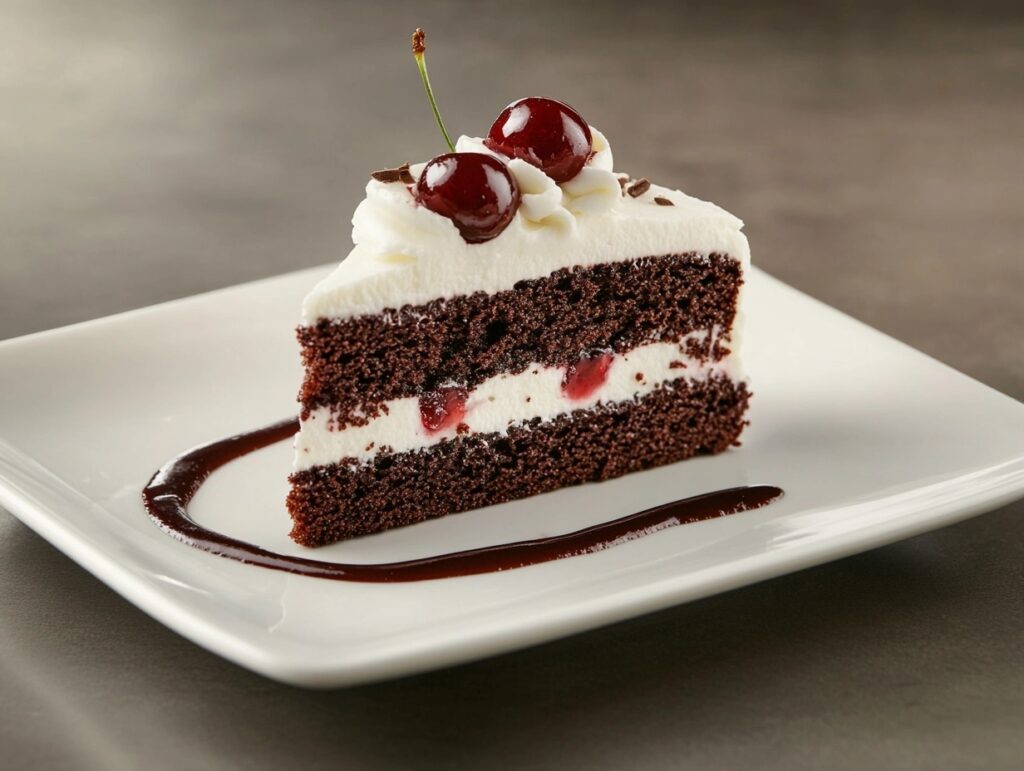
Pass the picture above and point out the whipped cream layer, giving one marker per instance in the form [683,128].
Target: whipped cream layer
[405,254]
[508,400]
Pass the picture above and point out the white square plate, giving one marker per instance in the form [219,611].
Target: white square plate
[871,440]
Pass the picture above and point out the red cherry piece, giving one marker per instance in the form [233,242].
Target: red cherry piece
[545,133]
[443,408]
[586,376]
[473,190]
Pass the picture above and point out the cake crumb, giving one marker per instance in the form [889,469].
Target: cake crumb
[639,377]
[462,428]
[369,447]
[529,398]
[676,365]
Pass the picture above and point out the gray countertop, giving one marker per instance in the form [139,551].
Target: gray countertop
[153,150]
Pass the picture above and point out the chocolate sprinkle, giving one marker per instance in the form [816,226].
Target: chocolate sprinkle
[401,174]
[638,188]
[662,201]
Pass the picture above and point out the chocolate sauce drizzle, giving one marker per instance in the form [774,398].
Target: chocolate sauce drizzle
[172,487]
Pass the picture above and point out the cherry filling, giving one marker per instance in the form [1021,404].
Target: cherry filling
[586,376]
[443,408]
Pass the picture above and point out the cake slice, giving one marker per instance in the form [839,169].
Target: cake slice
[509,324]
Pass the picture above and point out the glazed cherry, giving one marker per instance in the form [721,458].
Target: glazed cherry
[443,408]
[473,190]
[586,376]
[545,133]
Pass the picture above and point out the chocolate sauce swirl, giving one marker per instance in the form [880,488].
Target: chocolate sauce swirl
[172,488]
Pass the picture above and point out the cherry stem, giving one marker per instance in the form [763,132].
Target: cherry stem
[419,47]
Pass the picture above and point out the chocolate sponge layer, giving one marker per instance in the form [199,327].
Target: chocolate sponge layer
[681,419]
[354,365]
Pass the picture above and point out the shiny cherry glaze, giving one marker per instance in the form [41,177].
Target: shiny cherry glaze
[473,190]
[545,133]
[586,376]
[443,408]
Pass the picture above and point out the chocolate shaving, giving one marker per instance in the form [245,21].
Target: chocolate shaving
[638,188]
[662,201]
[623,180]
[401,174]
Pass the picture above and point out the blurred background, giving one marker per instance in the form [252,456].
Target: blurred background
[152,149]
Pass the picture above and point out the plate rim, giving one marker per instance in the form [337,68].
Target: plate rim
[993,487]
[27,491]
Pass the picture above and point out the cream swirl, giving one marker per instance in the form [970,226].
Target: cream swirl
[545,204]
[392,220]
[596,189]
[407,254]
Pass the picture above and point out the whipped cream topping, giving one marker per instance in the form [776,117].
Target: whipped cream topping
[508,400]
[545,204]
[406,254]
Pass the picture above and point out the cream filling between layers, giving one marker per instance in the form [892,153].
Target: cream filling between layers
[507,400]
